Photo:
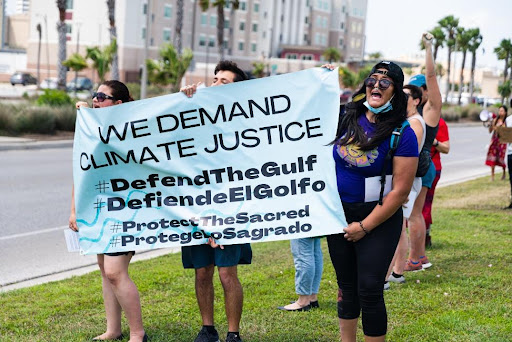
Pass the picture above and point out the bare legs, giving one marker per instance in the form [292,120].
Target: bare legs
[120,293]
[348,332]
[233,295]
[417,228]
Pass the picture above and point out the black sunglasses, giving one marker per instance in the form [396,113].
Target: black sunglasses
[384,83]
[102,96]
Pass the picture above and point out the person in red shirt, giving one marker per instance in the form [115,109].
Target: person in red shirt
[440,145]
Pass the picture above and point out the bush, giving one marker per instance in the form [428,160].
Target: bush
[451,113]
[151,90]
[54,97]
[65,118]
[38,120]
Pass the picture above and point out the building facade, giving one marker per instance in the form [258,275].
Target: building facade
[257,30]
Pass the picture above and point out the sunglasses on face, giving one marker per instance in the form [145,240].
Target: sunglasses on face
[384,83]
[101,96]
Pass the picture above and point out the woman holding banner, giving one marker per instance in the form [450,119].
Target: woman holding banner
[119,292]
[373,183]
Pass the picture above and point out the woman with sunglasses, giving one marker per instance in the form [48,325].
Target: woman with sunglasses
[362,252]
[119,291]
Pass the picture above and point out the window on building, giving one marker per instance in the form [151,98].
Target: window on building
[242,26]
[254,27]
[264,34]
[202,40]
[211,42]
[253,47]
[358,43]
[69,4]
[213,20]
[226,23]
[151,41]
[256,7]
[306,19]
[204,19]
[242,6]
[341,42]
[227,4]
[145,9]
[167,11]
[143,33]
[225,44]
[342,9]
[240,46]
[291,56]
[167,35]
[69,29]
[317,39]
[326,5]
[306,57]
[342,26]
[306,38]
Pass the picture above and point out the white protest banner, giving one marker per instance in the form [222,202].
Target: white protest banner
[243,162]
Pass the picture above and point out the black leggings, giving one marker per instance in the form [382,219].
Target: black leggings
[509,164]
[361,268]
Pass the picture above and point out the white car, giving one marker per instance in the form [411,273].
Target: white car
[49,83]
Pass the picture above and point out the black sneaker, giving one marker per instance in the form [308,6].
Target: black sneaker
[205,336]
[233,338]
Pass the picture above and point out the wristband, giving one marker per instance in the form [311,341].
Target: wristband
[363,228]
[436,144]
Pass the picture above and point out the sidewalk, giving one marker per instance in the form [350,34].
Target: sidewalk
[15,143]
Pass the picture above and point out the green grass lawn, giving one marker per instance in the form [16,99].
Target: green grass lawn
[465,296]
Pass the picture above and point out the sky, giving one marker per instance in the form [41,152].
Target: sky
[394,27]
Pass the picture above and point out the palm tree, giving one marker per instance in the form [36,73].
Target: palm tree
[259,69]
[474,44]
[505,89]
[102,58]
[179,26]
[220,5]
[375,55]
[332,54]
[463,38]
[61,29]
[75,62]
[449,26]
[504,51]
[169,70]
[111,4]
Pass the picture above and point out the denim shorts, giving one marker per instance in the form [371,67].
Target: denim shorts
[204,255]
[429,177]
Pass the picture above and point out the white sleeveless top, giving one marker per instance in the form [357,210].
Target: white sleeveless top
[420,119]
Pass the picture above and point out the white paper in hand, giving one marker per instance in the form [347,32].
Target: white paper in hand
[71,240]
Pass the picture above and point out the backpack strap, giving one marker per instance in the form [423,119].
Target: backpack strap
[393,145]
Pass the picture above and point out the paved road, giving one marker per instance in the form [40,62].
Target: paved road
[34,206]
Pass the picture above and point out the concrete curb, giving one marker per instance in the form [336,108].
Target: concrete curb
[29,144]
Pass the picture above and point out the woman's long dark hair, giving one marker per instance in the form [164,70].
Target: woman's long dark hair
[350,132]
[119,90]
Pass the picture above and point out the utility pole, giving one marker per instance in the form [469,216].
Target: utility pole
[77,49]
[144,78]
[47,48]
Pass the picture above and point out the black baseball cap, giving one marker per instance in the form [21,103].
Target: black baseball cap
[393,71]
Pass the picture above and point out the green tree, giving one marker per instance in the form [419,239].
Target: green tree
[449,26]
[351,79]
[375,55]
[219,5]
[504,52]
[61,29]
[111,5]
[75,62]
[170,68]
[101,58]
[463,39]
[258,69]
[332,54]
[505,89]
[474,44]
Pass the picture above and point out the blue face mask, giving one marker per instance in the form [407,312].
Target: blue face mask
[382,109]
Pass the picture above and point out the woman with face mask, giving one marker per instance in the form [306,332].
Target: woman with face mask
[362,252]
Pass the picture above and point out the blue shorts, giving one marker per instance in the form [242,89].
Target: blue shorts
[204,255]
[429,177]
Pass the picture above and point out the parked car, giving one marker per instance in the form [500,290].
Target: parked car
[49,83]
[82,83]
[23,78]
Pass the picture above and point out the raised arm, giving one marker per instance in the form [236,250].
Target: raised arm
[432,109]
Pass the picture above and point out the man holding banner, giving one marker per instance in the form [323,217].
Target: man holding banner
[204,258]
